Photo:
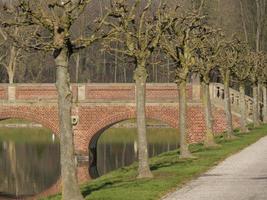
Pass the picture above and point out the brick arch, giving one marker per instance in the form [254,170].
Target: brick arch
[52,190]
[168,115]
[44,119]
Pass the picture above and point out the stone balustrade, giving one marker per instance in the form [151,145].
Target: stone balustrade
[217,94]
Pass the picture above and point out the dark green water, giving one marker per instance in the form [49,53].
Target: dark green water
[117,147]
[29,161]
[30,157]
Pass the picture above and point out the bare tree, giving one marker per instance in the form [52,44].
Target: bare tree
[206,61]
[241,73]
[139,28]
[10,59]
[55,19]
[179,42]
[227,61]
[261,10]
[257,63]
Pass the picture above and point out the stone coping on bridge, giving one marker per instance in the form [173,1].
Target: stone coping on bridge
[95,92]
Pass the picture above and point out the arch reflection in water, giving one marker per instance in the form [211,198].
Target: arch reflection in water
[29,161]
[117,146]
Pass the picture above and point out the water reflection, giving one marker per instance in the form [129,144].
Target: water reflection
[117,147]
[29,161]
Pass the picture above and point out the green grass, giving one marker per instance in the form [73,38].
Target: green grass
[169,171]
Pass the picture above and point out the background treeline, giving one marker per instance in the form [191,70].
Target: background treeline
[245,18]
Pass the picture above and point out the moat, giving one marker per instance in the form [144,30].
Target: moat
[30,156]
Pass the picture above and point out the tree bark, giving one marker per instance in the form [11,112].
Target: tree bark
[243,108]
[264,104]
[70,188]
[209,137]
[140,76]
[260,100]
[243,20]
[259,26]
[227,101]
[11,67]
[255,105]
[77,68]
[184,149]
[116,63]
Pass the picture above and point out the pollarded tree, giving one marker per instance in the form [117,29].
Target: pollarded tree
[227,62]
[139,27]
[256,61]
[241,73]
[54,19]
[179,42]
[206,61]
[263,83]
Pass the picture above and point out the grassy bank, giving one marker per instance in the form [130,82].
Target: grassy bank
[170,172]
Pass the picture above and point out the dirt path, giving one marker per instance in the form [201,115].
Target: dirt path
[242,176]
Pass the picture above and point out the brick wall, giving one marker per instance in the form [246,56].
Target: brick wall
[94,92]
[36,92]
[112,91]
[3,92]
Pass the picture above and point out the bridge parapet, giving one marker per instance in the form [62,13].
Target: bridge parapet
[217,96]
[94,92]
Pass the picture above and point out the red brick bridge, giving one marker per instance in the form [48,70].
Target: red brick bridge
[99,106]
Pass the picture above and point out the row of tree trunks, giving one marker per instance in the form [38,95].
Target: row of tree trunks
[243,108]
[256,120]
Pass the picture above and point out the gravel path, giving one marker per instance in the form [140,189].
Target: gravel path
[242,176]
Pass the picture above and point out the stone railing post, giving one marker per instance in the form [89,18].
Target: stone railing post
[81,92]
[11,92]
[212,90]
[196,92]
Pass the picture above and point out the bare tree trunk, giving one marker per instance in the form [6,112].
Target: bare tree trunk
[243,108]
[243,20]
[70,188]
[184,149]
[140,76]
[116,64]
[209,137]
[124,74]
[168,69]
[260,100]
[156,73]
[264,104]
[11,67]
[104,66]
[259,25]
[227,101]
[255,105]
[77,68]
